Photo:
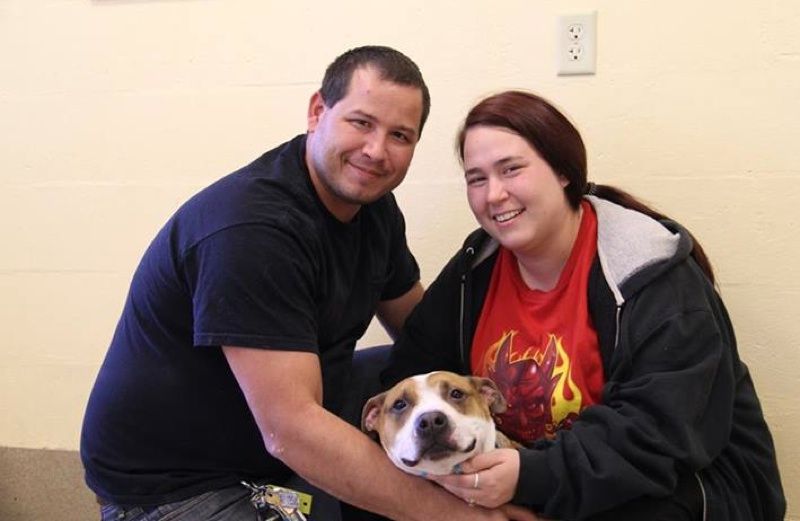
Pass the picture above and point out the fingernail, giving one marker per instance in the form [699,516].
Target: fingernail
[457,469]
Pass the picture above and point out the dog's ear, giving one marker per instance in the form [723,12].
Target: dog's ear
[371,412]
[490,394]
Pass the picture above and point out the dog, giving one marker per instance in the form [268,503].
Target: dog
[430,423]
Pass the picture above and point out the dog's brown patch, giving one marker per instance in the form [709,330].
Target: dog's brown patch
[382,408]
[458,390]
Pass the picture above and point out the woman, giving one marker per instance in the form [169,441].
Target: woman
[598,319]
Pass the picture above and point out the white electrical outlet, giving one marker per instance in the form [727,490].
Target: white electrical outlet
[576,44]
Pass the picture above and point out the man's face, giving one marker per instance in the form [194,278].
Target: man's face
[360,149]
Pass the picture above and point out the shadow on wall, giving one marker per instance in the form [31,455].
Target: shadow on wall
[38,484]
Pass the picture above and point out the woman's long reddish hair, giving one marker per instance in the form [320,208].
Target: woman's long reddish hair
[559,143]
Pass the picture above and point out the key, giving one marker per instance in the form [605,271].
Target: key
[275,503]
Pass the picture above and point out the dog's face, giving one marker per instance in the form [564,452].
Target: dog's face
[429,423]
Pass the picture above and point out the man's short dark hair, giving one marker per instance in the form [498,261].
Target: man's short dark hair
[392,65]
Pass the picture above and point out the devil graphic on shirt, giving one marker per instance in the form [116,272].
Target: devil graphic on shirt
[537,385]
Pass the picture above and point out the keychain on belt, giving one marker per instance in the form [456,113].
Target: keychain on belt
[274,503]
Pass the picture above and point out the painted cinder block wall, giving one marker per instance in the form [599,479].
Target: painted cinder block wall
[113,112]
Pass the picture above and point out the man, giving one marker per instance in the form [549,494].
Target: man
[236,339]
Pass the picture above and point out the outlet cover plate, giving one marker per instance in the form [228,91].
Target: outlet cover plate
[576,44]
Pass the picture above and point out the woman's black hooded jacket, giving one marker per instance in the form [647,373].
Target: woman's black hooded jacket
[677,398]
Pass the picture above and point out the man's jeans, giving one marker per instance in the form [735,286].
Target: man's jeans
[232,503]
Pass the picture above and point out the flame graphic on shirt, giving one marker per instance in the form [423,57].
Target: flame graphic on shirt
[567,396]
[538,386]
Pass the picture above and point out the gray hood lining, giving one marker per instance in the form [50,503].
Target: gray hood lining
[628,242]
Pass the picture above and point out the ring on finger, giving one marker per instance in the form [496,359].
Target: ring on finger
[470,502]
[477,480]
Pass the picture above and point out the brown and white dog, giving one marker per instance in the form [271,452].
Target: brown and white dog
[429,423]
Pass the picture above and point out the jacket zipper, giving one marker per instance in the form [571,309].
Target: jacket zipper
[461,324]
[469,252]
[703,492]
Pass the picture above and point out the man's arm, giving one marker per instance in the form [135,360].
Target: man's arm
[393,313]
[284,392]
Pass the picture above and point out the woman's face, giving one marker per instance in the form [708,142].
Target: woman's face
[515,195]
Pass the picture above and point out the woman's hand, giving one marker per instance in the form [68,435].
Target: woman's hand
[488,479]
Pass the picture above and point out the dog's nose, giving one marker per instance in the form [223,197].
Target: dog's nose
[430,424]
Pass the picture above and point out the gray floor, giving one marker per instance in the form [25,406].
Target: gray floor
[44,485]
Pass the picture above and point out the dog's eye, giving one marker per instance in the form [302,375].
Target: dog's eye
[456,394]
[399,405]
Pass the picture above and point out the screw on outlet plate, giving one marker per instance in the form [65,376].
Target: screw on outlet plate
[576,41]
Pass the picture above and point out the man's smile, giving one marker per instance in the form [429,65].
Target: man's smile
[368,170]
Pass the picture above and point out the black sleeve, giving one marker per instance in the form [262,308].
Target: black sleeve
[429,340]
[403,268]
[254,286]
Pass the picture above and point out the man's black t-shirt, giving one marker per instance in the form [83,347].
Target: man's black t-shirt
[254,260]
